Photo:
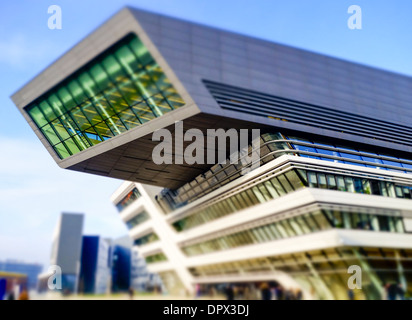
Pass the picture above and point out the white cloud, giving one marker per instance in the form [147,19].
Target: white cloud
[18,51]
[33,193]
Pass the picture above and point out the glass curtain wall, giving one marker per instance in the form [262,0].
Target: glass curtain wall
[117,91]
[287,182]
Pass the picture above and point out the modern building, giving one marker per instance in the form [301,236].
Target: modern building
[32,270]
[129,269]
[121,264]
[141,279]
[67,249]
[95,271]
[332,184]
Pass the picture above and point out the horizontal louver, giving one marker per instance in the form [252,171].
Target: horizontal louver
[269,106]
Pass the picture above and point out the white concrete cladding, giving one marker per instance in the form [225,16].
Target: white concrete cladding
[67,243]
[158,224]
[296,203]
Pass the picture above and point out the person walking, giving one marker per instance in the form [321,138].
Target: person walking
[131,293]
[266,294]
[351,294]
[24,295]
[229,292]
[400,292]
[392,291]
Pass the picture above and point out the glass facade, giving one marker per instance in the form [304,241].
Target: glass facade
[117,91]
[287,182]
[128,199]
[355,184]
[157,257]
[328,268]
[172,282]
[217,176]
[339,154]
[137,219]
[149,238]
[272,146]
[303,224]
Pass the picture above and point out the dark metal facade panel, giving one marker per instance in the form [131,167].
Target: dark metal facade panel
[208,53]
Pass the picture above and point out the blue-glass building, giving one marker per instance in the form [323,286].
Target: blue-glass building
[95,265]
[121,262]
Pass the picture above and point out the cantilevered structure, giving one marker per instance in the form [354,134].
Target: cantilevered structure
[334,184]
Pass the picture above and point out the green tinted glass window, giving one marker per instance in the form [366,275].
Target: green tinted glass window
[38,116]
[119,90]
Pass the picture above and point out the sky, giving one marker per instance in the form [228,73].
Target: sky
[34,190]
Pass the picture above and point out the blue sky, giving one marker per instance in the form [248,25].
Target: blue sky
[33,190]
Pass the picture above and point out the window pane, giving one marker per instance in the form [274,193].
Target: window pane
[264,192]
[271,189]
[279,188]
[399,192]
[131,94]
[331,182]
[366,186]
[128,60]
[304,226]
[37,116]
[358,185]
[321,220]
[252,196]
[282,230]
[129,119]
[310,222]
[286,185]
[294,179]
[349,184]
[66,98]
[100,76]
[77,92]
[143,111]
[287,228]
[103,130]
[140,51]
[322,180]
[47,110]
[90,112]
[88,85]
[258,194]
[313,181]
[56,105]
[295,226]
[341,183]
[50,134]
[61,150]
[161,102]
[303,177]
[113,68]
[61,131]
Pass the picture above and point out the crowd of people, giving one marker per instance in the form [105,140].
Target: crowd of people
[394,291]
[252,291]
